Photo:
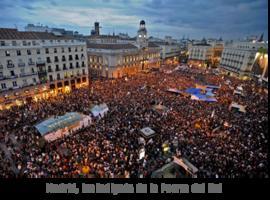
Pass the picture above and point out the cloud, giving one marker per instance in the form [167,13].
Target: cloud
[197,18]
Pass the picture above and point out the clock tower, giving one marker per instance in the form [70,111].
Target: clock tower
[142,35]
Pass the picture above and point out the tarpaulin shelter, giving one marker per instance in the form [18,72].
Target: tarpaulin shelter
[147,132]
[178,168]
[99,110]
[56,127]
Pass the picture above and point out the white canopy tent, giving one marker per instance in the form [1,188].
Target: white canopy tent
[239,107]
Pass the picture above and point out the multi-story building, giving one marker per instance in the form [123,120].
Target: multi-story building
[114,57]
[39,64]
[170,50]
[206,54]
[238,58]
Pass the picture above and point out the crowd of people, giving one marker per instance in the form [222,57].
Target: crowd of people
[219,142]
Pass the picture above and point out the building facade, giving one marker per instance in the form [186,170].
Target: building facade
[205,54]
[238,58]
[115,57]
[37,65]
[170,52]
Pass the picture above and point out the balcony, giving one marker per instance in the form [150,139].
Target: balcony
[21,64]
[12,77]
[10,65]
[28,74]
[31,63]
[56,60]
[41,62]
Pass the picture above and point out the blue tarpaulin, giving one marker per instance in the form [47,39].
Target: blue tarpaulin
[198,95]
[193,91]
[202,97]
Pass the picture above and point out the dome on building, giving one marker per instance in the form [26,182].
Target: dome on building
[142,22]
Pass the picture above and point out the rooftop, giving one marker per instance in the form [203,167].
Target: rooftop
[14,34]
[56,123]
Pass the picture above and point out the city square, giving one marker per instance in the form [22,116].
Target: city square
[128,96]
[217,141]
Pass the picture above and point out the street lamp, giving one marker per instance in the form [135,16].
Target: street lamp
[143,59]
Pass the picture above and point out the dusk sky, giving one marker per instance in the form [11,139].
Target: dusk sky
[229,19]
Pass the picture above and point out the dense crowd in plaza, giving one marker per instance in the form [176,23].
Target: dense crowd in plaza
[224,144]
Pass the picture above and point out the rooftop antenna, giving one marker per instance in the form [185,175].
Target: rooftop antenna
[16,26]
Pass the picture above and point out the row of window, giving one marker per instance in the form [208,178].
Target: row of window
[15,84]
[245,47]
[58,77]
[66,75]
[106,67]
[196,55]
[70,58]
[33,43]
[126,59]
[47,51]
[10,63]
[234,55]
[22,73]
[67,83]
[65,66]
[22,70]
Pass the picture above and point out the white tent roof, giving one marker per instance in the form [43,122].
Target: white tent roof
[147,132]
[240,108]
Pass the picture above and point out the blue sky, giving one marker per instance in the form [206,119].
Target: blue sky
[230,19]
